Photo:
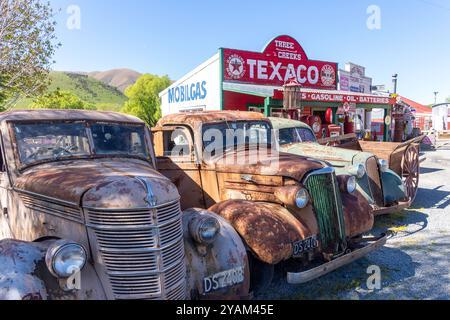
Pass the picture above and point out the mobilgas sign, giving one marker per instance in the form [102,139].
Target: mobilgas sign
[282,59]
[189,92]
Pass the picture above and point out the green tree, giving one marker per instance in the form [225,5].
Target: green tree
[61,100]
[27,43]
[143,96]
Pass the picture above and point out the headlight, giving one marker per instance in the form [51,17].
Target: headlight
[204,230]
[301,198]
[384,165]
[358,170]
[347,183]
[64,258]
[351,184]
[293,196]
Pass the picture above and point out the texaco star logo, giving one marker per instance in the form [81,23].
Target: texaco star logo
[328,75]
[235,69]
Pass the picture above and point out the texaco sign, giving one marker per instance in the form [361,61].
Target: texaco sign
[283,59]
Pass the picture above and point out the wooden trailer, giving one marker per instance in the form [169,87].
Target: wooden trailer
[403,158]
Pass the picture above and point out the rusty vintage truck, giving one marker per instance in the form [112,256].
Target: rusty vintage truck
[381,186]
[285,207]
[86,215]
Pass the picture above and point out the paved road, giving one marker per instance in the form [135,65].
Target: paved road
[415,264]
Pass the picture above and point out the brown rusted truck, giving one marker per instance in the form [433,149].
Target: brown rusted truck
[285,207]
[86,215]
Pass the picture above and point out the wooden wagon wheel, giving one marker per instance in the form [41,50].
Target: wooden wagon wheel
[410,171]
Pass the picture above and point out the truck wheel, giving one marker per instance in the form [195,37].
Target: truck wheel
[261,274]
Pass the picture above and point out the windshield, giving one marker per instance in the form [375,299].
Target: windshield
[296,135]
[119,139]
[239,133]
[44,141]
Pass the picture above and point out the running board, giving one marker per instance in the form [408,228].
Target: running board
[306,276]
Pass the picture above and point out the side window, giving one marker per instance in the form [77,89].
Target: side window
[176,143]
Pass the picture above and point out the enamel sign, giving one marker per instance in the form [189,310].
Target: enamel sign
[283,59]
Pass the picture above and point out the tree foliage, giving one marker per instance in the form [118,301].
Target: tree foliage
[27,43]
[143,96]
[61,100]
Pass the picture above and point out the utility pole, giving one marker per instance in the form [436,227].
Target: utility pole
[394,81]
[435,97]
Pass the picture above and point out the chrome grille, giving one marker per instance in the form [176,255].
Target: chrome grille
[142,251]
[374,180]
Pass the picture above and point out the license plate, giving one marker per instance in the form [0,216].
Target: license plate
[223,279]
[303,246]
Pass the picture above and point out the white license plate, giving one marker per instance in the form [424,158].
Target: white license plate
[303,246]
[223,279]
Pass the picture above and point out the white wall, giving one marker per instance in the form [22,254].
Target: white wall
[440,118]
[198,90]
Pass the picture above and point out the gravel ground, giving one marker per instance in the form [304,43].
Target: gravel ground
[414,264]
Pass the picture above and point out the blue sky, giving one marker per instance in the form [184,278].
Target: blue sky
[172,37]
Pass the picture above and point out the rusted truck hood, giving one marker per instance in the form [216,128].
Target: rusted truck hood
[264,163]
[102,183]
[335,156]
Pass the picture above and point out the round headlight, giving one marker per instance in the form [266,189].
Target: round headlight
[65,258]
[351,184]
[384,165]
[205,229]
[302,198]
[358,170]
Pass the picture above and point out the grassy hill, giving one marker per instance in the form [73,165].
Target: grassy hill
[117,78]
[103,96]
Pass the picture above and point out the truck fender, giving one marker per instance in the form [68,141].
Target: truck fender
[393,187]
[269,230]
[358,214]
[19,262]
[206,261]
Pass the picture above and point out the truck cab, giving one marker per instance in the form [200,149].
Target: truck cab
[285,207]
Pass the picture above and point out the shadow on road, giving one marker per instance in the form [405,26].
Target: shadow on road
[348,282]
[424,170]
[432,198]
[402,224]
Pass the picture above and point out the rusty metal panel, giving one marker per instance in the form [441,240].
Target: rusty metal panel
[373,175]
[358,214]
[267,228]
[185,175]
[248,187]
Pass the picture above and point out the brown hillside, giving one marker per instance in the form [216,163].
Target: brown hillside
[118,78]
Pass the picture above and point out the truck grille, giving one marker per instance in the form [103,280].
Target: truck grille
[142,251]
[373,175]
[325,194]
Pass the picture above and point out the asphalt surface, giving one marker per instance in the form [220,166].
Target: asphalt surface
[415,263]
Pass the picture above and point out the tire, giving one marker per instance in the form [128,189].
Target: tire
[261,274]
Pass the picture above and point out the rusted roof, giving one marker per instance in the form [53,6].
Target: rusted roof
[195,119]
[53,115]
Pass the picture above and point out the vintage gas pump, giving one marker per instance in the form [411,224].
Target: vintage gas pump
[292,100]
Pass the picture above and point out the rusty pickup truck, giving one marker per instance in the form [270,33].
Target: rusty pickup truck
[86,215]
[285,207]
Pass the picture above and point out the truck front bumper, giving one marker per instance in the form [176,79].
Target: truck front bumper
[387,210]
[306,276]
